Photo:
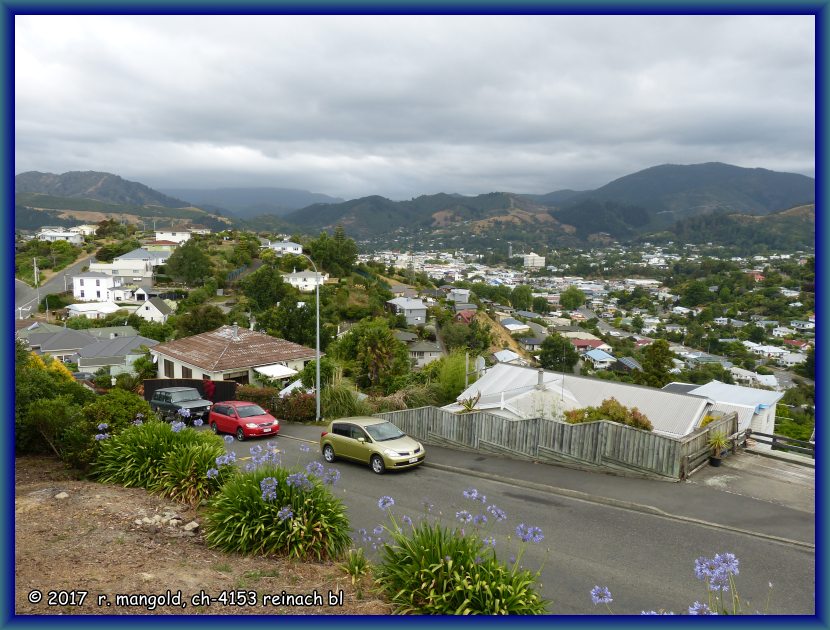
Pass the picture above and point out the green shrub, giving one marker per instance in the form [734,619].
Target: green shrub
[610,409]
[265,397]
[432,570]
[339,401]
[296,407]
[242,517]
[155,457]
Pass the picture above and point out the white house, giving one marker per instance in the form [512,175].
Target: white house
[305,281]
[177,235]
[600,359]
[93,310]
[285,247]
[458,295]
[93,286]
[415,311]
[154,310]
[755,407]
[55,235]
[782,331]
[791,359]
[88,229]
[534,261]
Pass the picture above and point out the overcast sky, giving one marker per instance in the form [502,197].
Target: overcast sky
[408,105]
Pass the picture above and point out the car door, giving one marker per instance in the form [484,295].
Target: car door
[362,451]
[345,444]
[218,417]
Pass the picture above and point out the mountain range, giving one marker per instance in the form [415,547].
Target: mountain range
[658,199]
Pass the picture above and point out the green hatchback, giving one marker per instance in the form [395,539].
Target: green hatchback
[372,441]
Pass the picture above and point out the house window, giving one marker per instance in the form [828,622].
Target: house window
[97,283]
[82,293]
[186,372]
[97,294]
[168,368]
[82,282]
[146,308]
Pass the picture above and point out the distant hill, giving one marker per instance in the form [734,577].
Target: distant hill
[375,215]
[555,198]
[251,202]
[793,228]
[104,187]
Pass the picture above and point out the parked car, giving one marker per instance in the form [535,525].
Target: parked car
[169,400]
[83,376]
[372,441]
[242,419]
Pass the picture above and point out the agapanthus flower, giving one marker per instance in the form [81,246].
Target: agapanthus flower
[377,531]
[255,450]
[212,473]
[228,439]
[479,519]
[489,541]
[285,513]
[102,436]
[464,516]
[103,426]
[601,595]
[198,422]
[250,467]
[269,488]
[184,413]
[470,493]
[386,502]
[177,426]
[497,513]
[138,421]
[699,608]
[529,534]
[407,520]
[331,476]
[314,468]
[305,448]
[299,481]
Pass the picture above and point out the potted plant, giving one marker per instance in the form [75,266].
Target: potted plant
[718,442]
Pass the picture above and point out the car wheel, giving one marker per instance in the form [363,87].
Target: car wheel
[240,434]
[214,428]
[328,453]
[378,466]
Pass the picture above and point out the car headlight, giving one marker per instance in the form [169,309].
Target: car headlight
[252,425]
[391,453]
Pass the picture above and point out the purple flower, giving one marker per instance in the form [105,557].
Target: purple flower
[285,513]
[728,562]
[304,448]
[177,426]
[479,519]
[497,513]
[228,439]
[198,422]
[386,502]
[700,609]
[102,436]
[601,595]
[331,476]
[314,468]
[406,520]
[489,541]
[269,488]
[184,413]
[212,473]
[138,421]
[464,516]
[377,531]
[299,481]
[255,450]
[470,493]
[103,426]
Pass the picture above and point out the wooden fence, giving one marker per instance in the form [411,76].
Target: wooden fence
[601,445]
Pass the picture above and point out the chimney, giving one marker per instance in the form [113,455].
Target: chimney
[253,322]
[540,382]
[235,331]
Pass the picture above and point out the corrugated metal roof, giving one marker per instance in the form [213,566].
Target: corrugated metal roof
[737,395]
[120,346]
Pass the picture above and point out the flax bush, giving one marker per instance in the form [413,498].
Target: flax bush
[272,511]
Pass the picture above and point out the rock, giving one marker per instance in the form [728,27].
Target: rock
[138,521]
[147,521]
[62,495]
[191,526]
[174,522]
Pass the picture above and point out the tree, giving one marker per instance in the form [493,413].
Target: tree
[808,367]
[308,375]
[695,293]
[558,354]
[521,297]
[657,361]
[379,359]
[266,288]
[540,305]
[199,319]
[296,323]
[571,298]
[189,263]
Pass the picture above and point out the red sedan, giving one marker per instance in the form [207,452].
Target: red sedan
[242,419]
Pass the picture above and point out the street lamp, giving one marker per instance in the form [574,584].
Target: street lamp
[317,353]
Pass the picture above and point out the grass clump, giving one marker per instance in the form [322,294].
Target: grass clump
[272,511]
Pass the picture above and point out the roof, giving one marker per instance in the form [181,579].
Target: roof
[671,414]
[531,341]
[219,350]
[31,327]
[679,388]
[120,346]
[404,335]
[630,363]
[95,307]
[92,274]
[64,339]
[408,304]
[599,355]
[120,331]
[528,314]
[424,346]
[738,395]
[504,356]
[161,305]
[276,370]
[284,243]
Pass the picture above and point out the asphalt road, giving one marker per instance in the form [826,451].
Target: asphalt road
[26,296]
[645,559]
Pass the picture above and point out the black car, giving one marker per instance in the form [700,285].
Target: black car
[169,400]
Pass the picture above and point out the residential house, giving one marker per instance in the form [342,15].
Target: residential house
[94,286]
[533,261]
[791,359]
[285,247]
[94,310]
[51,236]
[465,317]
[112,332]
[231,353]
[25,327]
[528,314]
[458,295]
[746,377]
[87,229]
[531,344]
[404,336]
[464,306]
[782,331]
[423,352]
[509,357]
[585,345]
[305,281]
[62,345]
[600,359]
[514,325]
[154,310]
[519,392]
[201,230]
[176,234]
[802,326]
[402,290]
[627,365]
[117,354]
[415,311]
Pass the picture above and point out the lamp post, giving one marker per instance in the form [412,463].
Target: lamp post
[317,353]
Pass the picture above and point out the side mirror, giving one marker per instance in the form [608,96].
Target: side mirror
[361,440]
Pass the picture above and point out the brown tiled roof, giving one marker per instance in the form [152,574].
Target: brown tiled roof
[218,351]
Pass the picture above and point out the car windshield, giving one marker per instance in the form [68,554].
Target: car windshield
[185,396]
[250,410]
[384,431]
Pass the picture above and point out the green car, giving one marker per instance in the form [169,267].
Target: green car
[372,441]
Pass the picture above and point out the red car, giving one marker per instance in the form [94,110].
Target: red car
[242,419]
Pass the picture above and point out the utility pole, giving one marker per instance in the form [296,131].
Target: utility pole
[37,282]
